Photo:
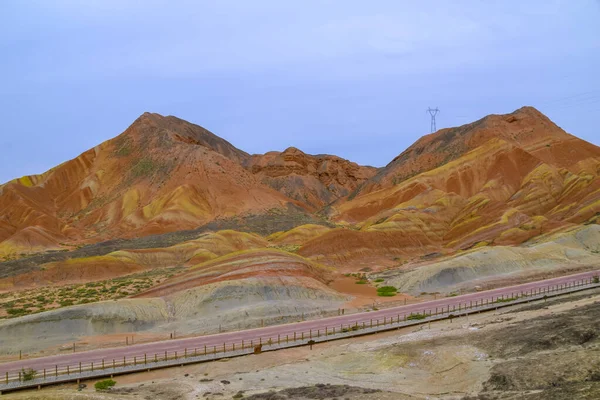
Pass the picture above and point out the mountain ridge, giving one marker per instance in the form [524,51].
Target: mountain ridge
[163,174]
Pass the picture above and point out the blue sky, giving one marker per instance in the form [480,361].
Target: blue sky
[351,78]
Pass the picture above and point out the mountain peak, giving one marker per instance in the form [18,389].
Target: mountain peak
[292,150]
[149,126]
[526,128]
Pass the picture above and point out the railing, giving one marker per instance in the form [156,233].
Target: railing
[65,373]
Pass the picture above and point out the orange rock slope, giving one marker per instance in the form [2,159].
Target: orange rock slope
[500,180]
[162,174]
[313,180]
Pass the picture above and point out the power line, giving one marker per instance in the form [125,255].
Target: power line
[433,112]
[579,97]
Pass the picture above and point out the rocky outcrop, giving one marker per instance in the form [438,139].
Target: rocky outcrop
[315,180]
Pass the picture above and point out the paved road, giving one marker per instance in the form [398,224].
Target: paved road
[217,340]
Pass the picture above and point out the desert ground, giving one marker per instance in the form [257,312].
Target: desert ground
[543,350]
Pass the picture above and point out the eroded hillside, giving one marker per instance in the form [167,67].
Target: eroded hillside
[152,227]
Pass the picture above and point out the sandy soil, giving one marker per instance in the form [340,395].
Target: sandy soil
[537,351]
[364,295]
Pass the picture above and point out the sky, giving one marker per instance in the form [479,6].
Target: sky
[350,77]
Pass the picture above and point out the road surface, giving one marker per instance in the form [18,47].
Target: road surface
[264,334]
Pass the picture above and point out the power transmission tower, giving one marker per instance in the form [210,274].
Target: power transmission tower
[433,112]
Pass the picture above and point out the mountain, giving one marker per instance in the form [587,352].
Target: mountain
[501,180]
[162,174]
[184,232]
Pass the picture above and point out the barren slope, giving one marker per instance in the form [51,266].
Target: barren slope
[501,180]
[162,174]
[313,180]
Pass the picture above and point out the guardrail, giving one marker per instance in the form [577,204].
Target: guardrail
[23,379]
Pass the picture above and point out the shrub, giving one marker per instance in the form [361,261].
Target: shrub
[16,312]
[596,279]
[361,282]
[105,384]
[416,316]
[28,374]
[387,291]
[506,300]
[378,280]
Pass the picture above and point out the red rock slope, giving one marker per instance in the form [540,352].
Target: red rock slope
[162,174]
[500,180]
[313,180]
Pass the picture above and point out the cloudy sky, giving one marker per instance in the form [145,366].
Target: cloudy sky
[351,78]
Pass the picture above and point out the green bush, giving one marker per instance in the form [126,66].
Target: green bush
[506,300]
[105,384]
[361,282]
[28,374]
[15,312]
[596,279]
[387,291]
[378,280]
[416,316]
